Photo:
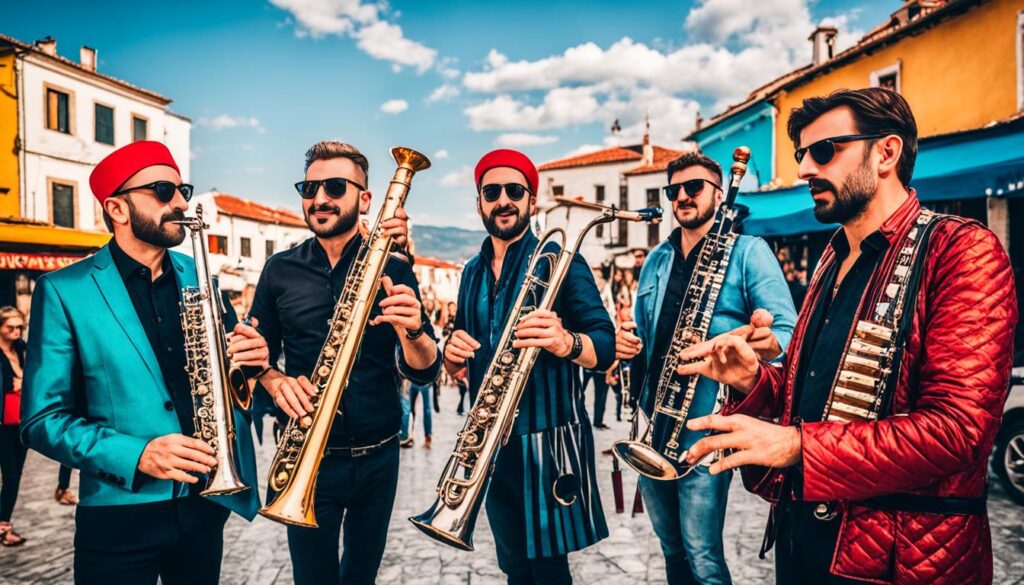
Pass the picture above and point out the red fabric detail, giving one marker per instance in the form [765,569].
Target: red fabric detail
[504,157]
[119,166]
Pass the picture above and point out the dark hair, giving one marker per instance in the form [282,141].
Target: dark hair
[328,149]
[693,159]
[875,111]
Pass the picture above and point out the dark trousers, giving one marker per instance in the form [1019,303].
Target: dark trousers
[463,390]
[179,541]
[506,513]
[600,393]
[804,547]
[64,478]
[12,461]
[353,501]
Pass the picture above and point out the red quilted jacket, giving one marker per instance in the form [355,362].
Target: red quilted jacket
[945,414]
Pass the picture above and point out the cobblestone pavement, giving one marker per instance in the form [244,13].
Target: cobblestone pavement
[257,553]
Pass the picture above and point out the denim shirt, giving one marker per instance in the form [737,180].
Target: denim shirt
[753,280]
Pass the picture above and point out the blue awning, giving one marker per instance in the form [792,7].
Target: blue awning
[987,162]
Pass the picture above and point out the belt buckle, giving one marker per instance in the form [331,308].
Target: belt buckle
[360,451]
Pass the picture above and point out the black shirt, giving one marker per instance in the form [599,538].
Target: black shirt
[294,302]
[805,543]
[678,281]
[157,305]
[831,321]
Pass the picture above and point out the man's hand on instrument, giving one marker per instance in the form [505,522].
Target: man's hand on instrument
[460,347]
[543,328]
[246,347]
[750,441]
[401,308]
[397,227]
[727,359]
[627,344]
[291,394]
[174,456]
[759,336]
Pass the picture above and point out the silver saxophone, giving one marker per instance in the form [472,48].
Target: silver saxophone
[217,384]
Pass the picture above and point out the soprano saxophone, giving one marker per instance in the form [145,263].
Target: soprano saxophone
[217,384]
[294,470]
[488,424]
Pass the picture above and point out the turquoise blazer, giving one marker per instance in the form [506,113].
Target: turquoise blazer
[94,395]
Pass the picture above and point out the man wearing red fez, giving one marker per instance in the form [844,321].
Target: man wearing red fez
[551,435]
[295,302]
[106,389]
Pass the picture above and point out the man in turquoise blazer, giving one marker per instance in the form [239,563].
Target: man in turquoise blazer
[105,389]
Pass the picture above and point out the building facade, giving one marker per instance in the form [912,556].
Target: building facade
[58,119]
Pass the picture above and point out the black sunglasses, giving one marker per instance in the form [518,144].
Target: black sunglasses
[164,190]
[335,187]
[492,192]
[823,151]
[692,188]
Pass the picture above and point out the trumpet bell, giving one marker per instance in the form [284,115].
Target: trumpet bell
[407,157]
[460,537]
[645,460]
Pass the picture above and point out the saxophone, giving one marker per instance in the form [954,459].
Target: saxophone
[217,384]
[657,452]
[294,470]
[489,423]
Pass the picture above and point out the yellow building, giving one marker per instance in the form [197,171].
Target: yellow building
[957,62]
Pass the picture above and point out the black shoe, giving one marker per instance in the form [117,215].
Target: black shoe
[601,426]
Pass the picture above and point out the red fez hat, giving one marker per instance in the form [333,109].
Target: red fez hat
[118,166]
[504,157]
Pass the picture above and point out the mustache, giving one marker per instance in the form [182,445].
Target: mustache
[325,208]
[499,210]
[173,216]
[819,185]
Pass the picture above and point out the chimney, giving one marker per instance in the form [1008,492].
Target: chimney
[48,46]
[698,123]
[823,41]
[648,151]
[87,57]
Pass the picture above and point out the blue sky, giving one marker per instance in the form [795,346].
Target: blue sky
[263,80]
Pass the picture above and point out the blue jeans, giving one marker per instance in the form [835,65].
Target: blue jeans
[409,404]
[688,516]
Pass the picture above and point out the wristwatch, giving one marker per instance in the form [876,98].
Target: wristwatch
[416,332]
[577,346]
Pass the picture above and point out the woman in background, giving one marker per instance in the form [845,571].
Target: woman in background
[12,450]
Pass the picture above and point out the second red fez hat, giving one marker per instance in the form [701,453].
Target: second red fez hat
[504,157]
[118,166]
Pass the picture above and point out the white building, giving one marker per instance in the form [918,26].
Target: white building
[241,237]
[438,279]
[70,117]
[629,177]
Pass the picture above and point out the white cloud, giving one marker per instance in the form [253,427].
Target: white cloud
[734,46]
[367,23]
[461,177]
[517,139]
[394,106]
[584,149]
[224,121]
[441,154]
[442,93]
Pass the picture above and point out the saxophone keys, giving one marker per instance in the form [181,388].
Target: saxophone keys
[305,422]
[329,352]
[282,477]
[497,379]
[323,371]
[490,399]
[507,358]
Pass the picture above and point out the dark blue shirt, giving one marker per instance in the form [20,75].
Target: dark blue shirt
[553,396]
[295,301]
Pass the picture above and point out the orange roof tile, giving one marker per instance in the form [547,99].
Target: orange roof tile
[616,154]
[65,61]
[435,262]
[662,156]
[238,207]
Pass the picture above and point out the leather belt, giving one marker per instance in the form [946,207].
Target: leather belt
[360,451]
[920,504]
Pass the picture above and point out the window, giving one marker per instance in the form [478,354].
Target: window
[887,77]
[140,128]
[557,190]
[599,197]
[62,199]
[58,110]
[246,247]
[270,248]
[218,244]
[104,124]
[653,234]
